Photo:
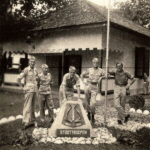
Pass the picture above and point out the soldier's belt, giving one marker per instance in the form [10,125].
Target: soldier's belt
[93,83]
[120,85]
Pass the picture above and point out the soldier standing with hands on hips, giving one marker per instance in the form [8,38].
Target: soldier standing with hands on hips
[30,75]
[45,95]
[91,87]
[121,87]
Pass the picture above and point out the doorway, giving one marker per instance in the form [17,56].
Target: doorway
[73,60]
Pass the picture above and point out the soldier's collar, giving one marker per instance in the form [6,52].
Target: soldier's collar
[32,69]
[70,76]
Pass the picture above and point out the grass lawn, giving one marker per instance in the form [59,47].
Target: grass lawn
[8,135]
[11,104]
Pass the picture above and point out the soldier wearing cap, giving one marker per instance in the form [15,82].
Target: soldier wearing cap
[45,95]
[91,87]
[66,89]
[30,75]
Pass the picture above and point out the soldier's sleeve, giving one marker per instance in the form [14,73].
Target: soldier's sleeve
[112,73]
[129,76]
[22,74]
[86,72]
[64,80]
[51,81]
[103,72]
[77,81]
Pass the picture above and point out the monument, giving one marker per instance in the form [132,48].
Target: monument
[71,121]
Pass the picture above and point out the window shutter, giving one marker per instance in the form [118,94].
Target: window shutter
[146,62]
[141,62]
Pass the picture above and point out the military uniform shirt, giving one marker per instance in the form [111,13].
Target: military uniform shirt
[69,83]
[30,76]
[121,78]
[94,74]
[44,82]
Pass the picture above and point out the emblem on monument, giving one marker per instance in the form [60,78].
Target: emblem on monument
[73,116]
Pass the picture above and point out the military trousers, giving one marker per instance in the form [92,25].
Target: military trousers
[90,97]
[120,101]
[28,109]
[45,100]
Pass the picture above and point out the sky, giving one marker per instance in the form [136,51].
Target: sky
[105,2]
[99,2]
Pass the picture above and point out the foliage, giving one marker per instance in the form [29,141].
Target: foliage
[136,10]
[22,138]
[19,15]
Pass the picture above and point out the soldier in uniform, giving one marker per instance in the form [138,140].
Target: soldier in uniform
[121,87]
[45,95]
[91,87]
[30,75]
[66,88]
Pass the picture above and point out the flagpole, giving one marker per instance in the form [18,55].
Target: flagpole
[107,58]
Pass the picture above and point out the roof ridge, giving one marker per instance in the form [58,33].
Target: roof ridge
[118,21]
[83,12]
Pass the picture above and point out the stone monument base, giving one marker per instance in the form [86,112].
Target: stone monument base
[71,121]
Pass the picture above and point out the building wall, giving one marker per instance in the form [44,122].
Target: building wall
[87,56]
[52,61]
[40,59]
[70,39]
[125,43]
[122,49]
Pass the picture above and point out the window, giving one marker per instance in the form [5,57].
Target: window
[23,63]
[141,62]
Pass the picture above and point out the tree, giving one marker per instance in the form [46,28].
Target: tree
[136,10]
[19,15]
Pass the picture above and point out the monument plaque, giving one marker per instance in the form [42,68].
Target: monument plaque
[73,133]
[71,121]
[73,116]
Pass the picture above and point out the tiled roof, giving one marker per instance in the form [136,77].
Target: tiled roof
[82,12]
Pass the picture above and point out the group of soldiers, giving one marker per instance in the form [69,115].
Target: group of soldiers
[42,83]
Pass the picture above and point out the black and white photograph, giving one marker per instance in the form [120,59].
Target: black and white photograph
[74,74]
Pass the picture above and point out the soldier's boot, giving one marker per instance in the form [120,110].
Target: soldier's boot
[93,119]
[89,115]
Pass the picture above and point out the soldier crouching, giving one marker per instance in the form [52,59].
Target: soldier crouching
[66,91]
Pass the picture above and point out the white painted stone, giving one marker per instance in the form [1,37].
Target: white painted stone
[19,117]
[88,142]
[42,140]
[148,125]
[146,112]
[49,140]
[95,142]
[139,111]
[3,120]
[11,118]
[132,110]
[82,142]
[58,142]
